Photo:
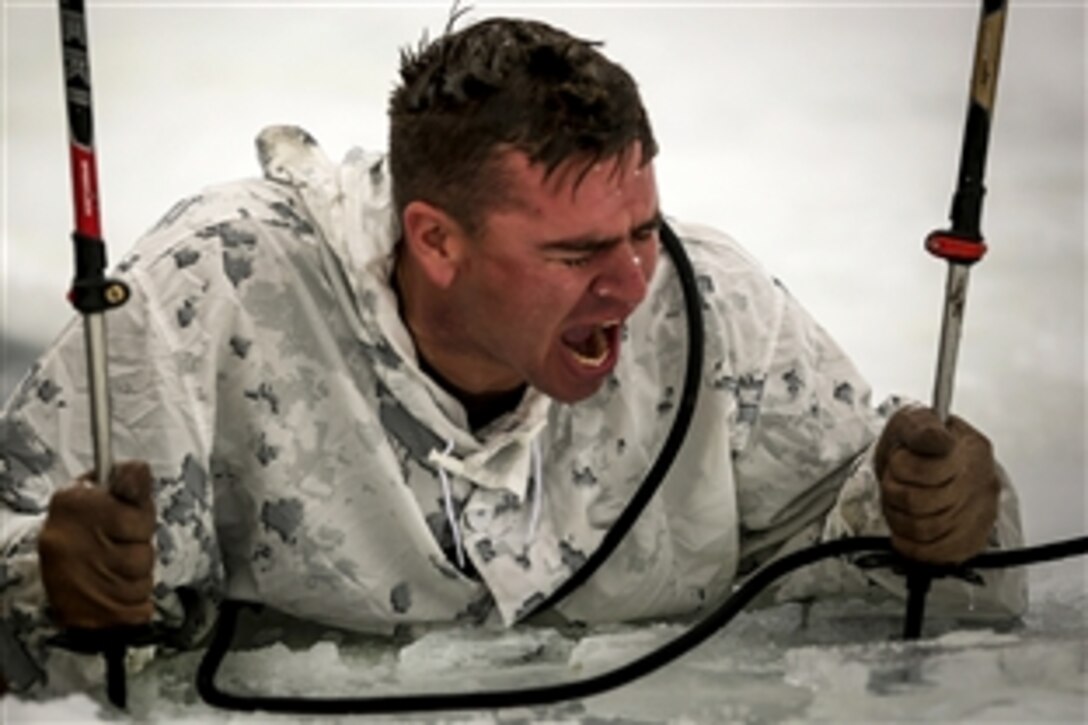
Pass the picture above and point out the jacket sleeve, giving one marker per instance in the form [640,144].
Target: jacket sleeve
[162,396]
[805,474]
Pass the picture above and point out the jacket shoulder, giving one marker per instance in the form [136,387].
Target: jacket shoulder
[223,229]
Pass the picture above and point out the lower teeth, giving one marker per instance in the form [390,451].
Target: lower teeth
[600,342]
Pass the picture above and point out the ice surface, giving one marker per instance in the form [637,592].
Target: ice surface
[833,663]
[447,651]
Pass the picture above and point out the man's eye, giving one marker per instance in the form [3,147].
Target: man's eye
[577,261]
[645,235]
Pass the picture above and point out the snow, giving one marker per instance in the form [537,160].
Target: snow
[836,662]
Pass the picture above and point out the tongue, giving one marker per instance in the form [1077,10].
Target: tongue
[587,340]
[577,336]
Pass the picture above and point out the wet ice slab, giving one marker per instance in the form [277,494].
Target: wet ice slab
[832,663]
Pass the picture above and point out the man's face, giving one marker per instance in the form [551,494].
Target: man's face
[546,285]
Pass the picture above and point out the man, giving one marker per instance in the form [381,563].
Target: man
[420,388]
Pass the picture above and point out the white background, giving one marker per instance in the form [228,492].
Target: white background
[823,135]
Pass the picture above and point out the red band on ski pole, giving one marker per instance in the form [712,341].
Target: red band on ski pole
[85,192]
[956,249]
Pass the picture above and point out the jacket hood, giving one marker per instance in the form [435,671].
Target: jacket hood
[351,203]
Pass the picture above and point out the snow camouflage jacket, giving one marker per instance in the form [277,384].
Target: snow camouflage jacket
[263,371]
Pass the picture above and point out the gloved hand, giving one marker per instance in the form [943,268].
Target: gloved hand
[938,484]
[95,550]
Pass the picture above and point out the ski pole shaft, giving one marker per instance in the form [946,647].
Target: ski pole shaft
[92,293]
[961,245]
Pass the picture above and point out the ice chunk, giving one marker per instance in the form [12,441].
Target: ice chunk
[615,647]
[454,650]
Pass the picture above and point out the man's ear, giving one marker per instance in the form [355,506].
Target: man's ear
[435,241]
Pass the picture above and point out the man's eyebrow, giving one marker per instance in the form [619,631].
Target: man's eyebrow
[589,243]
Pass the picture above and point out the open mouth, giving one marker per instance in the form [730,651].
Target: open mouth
[591,345]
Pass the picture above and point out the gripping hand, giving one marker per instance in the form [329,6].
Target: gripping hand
[939,486]
[95,550]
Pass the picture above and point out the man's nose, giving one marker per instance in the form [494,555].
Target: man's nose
[625,278]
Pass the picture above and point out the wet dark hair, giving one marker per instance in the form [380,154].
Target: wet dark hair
[505,84]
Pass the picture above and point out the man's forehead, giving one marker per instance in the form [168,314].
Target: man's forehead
[530,180]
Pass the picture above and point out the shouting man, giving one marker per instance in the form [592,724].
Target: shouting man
[421,387]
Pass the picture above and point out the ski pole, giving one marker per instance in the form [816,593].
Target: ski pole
[92,294]
[961,245]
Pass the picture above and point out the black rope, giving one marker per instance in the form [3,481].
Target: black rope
[550,694]
[681,422]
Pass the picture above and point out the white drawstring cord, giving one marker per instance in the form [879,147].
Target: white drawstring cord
[537,489]
[448,496]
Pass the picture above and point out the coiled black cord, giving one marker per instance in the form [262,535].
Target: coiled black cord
[678,432]
[548,694]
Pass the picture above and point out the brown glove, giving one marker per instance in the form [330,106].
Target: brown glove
[95,550]
[939,486]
